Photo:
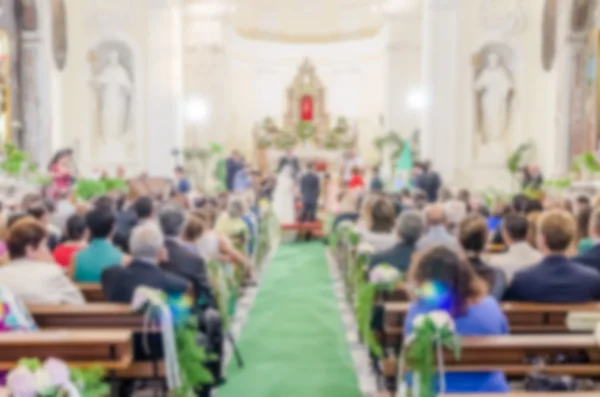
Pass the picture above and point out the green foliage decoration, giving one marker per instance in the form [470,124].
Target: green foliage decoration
[517,158]
[306,131]
[421,354]
[192,359]
[91,381]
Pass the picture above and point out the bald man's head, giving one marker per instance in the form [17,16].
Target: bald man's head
[435,215]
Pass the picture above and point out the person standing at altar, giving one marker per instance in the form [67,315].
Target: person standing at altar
[310,190]
[289,159]
[232,165]
[351,162]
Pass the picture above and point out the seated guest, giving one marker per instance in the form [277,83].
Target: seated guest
[474,313]
[409,228]
[213,246]
[455,211]
[39,211]
[584,242]
[76,239]
[194,227]
[473,236]
[556,279]
[520,253]
[380,225]
[147,250]
[437,233]
[181,260]
[91,261]
[64,209]
[142,210]
[31,273]
[591,257]
[418,199]
[231,224]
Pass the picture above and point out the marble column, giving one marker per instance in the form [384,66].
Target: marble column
[440,82]
[164,127]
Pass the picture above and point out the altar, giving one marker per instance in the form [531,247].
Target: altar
[305,127]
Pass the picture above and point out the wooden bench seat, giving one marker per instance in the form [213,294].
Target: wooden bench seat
[511,354]
[89,316]
[92,292]
[302,226]
[523,318]
[110,349]
[529,394]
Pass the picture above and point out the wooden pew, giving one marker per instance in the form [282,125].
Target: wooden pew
[92,292]
[99,316]
[528,394]
[94,316]
[510,354]
[110,349]
[533,318]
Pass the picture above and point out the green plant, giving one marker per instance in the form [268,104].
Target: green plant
[516,160]
[421,354]
[559,183]
[305,130]
[86,189]
[586,162]
[15,161]
[192,359]
[91,381]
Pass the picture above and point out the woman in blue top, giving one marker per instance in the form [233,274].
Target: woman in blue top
[464,296]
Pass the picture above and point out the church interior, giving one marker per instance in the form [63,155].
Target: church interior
[299,198]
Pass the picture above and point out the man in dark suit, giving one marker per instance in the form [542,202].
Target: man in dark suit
[288,159]
[310,189]
[556,279]
[185,263]
[232,165]
[147,249]
[139,212]
[410,228]
[591,258]
[182,261]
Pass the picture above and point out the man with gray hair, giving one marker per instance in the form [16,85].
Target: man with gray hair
[147,249]
[409,227]
[182,261]
[437,230]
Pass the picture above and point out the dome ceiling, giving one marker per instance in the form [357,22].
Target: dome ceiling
[307,21]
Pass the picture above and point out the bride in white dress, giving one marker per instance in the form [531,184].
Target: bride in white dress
[283,197]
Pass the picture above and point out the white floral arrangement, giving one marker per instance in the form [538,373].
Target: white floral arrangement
[432,332]
[31,378]
[365,248]
[384,274]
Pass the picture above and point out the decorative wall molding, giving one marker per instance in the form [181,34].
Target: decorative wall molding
[507,17]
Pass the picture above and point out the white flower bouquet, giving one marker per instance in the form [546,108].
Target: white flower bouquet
[432,332]
[385,274]
[53,378]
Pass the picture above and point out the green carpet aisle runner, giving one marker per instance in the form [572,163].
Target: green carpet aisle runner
[294,343]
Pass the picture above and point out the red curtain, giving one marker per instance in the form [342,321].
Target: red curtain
[306,108]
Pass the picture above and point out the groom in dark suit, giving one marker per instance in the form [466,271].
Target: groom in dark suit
[310,189]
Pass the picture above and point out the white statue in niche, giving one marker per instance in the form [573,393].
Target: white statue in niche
[494,95]
[113,88]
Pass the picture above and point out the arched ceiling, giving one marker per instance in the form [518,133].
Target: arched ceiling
[306,21]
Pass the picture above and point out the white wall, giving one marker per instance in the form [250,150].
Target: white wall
[153,31]
[259,73]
